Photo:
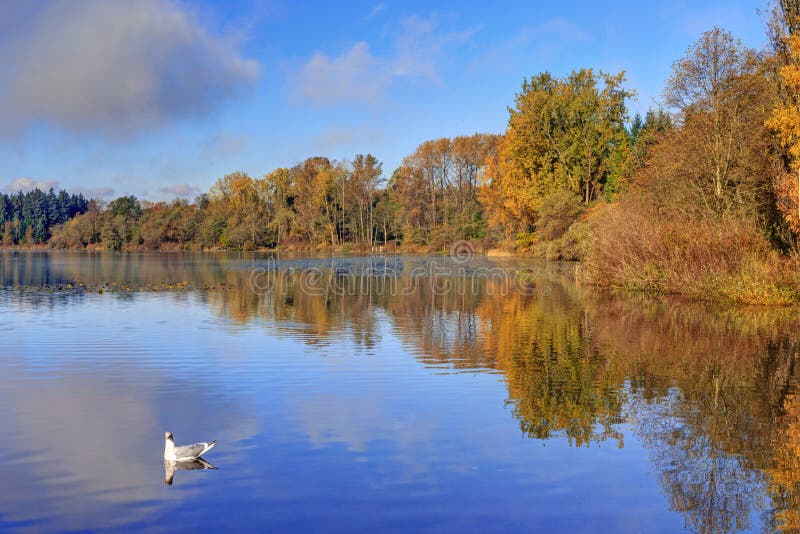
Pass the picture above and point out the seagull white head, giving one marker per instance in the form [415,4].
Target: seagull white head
[167,435]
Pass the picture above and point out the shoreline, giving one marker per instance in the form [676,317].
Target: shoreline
[311,249]
[722,296]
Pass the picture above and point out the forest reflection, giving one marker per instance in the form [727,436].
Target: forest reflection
[711,393]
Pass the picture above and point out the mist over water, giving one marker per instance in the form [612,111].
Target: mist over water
[385,393]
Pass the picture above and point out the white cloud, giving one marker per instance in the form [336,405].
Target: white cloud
[180,190]
[358,76]
[93,192]
[225,144]
[544,40]
[355,76]
[336,136]
[419,44]
[375,10]
[29,184]
[112,66]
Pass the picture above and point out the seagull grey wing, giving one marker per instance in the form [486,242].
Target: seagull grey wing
[190,451]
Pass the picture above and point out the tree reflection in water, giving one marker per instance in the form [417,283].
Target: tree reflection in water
[711,393]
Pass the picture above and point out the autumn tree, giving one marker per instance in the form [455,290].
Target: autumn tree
[279,185]
[722,98]
[562,135]
[436,189]
[315,200]
[172,225]
[644,134]
[120,224]
[360,190]
[386,216]
[240,209]
[470,156]
[785,121]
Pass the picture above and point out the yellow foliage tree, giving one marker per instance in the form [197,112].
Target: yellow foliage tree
[563,135]
[785,121]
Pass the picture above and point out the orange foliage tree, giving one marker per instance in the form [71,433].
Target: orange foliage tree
[785,121]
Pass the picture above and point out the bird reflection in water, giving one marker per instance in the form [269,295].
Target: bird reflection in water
[170,468]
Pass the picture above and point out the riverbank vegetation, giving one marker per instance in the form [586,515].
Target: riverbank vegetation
[698,196]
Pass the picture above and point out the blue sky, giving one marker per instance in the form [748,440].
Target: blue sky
[160,98]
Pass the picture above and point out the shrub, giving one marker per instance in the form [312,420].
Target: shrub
[572,245]
[525,240]
[638,246]
[558,212]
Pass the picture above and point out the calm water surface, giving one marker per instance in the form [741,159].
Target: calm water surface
[396,393]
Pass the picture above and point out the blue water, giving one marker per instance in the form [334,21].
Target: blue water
[350,413]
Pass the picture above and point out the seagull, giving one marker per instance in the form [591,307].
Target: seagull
[184,453]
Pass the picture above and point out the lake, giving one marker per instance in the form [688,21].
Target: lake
[385,393]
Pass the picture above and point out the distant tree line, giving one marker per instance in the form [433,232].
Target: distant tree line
[429,201]
[30,217]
